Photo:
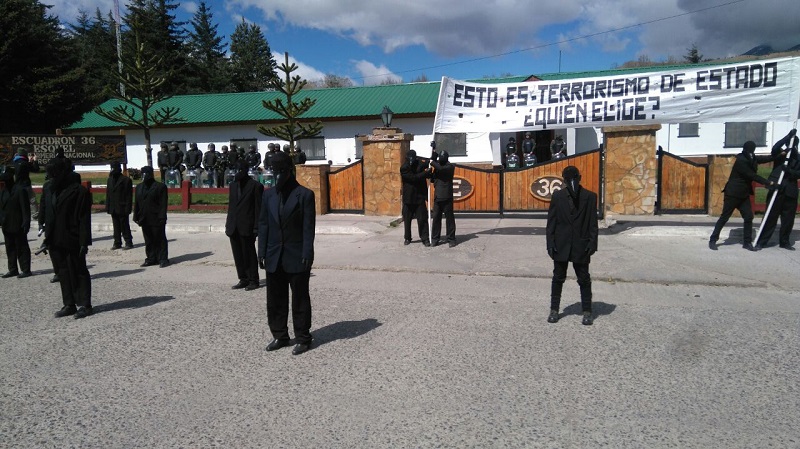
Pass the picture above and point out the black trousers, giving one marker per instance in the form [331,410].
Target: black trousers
[785,208]
[18,251]
[278,284]
[155,243]
[73,275]
[584,281]
[443,207]
[420,212]
[728,205]
[122,229]
[245,257]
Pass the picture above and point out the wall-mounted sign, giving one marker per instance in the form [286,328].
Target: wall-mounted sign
[462,189]
[544,187]
[82,150]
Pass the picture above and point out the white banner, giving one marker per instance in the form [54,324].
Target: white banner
[754,91]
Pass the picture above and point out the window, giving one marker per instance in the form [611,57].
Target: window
[359,149]
[688,130]
[454,143]
[737,133]
[314,147]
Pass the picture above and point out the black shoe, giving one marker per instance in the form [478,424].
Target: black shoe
[66,311]
[587,319]
[55,279]
[24,274]
[115,247]
[301,348]
[251,286]
[451,244]
[553,317]
[787,246]
[277,343]
[435,243]
[164,264]
[83,312]
[712,245]
[10,274]
[241,284]
[128,246]
[148,264]
[426,243]
[406,241]
[750,247]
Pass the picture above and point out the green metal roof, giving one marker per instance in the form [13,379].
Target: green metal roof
[334,103]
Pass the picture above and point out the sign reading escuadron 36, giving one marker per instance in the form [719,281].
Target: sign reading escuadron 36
[82,150]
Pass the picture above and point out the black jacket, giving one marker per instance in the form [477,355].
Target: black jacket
[210,160]
[743,173]
[253,159]
[415,189]
[150,208]
[288,237]
[163,159]
[15,210]
[193,158]
[443,180]
[571,229]
[244,208]
[68,218]
[119,195]
[791,171]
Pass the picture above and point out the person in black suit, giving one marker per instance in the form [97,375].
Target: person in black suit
[119,203]
[441,173]
[15,221]
[286,250]
[415,195]
[737,193]
[150,213]
[68,235]
[785,204]
[211,165]
[241,226]
[571,237]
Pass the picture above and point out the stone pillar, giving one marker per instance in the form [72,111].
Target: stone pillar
[719,168]
[384,152]
[630,168]
[315,177]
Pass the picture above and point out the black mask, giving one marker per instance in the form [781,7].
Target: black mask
[241,176]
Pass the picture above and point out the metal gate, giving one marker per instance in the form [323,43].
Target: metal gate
[346,188]
[682,185]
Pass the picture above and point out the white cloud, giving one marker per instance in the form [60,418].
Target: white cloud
[305,71]
[372,74]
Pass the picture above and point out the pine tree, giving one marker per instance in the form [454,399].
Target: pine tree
[207,54]
[252,64]
[97,51]
[143,90]
[293,129]
[694,56]
[42,84]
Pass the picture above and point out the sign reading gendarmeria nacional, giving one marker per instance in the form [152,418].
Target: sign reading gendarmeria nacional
[753,91]
[82,150]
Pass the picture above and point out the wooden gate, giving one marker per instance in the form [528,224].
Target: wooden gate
[476,190]
[682,185]
[346,188]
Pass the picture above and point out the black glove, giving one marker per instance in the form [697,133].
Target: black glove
[262,263]
[793,132]
[83,251]
[589,251]
[551,252]
[307,264]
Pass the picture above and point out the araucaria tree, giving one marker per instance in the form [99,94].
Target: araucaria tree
[293,129]
[142,92]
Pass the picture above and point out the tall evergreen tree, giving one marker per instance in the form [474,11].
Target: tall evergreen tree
[209,66]
[41,79]
[252,64]
[693,56]
[97,51]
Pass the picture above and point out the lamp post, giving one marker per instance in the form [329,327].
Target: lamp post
[386,116]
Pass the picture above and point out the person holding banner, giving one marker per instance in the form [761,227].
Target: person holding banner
[441,173]
[737,193]
[571,235]
[413,175]
[785,203]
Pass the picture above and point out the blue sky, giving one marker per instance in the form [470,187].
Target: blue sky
[369,41]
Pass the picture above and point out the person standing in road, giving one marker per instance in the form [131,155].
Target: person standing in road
[785,204]
[15,221]
[150,213]
[572,237]
[442,173]
[737,193]
[286,250]
[414,179]
[119,204]
[241,226]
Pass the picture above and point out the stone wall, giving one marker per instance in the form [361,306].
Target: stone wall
[719,168]
[630,169]
[315,177]
[384,152]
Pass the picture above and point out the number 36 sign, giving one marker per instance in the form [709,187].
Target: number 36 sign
[544,187]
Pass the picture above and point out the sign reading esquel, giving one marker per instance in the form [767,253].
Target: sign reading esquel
[82,150]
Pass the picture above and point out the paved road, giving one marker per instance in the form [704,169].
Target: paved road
[415,347]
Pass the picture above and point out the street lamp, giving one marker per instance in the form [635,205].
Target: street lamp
[386,116]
